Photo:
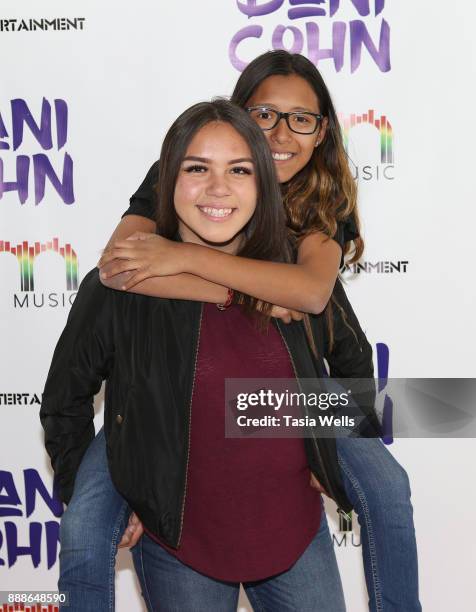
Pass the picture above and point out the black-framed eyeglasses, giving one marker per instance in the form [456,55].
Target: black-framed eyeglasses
[301,122]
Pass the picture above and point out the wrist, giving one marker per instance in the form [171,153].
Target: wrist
[190,257]
[185,257]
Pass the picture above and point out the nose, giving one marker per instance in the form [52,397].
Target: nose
[218,185]
[281,133]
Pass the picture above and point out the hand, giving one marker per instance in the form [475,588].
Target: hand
[315,484]
[286,315]
[116,281]
[145,255]
[133,532]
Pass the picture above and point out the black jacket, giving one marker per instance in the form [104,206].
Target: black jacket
[146,349]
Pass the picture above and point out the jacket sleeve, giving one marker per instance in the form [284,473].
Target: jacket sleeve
[144,201]
[351,358]
[82,359]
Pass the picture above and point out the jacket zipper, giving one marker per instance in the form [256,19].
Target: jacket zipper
[327,484]
[190,425]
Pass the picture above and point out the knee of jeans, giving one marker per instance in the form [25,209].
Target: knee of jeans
[398,484]
[394,491]
[73,530]
[79,533]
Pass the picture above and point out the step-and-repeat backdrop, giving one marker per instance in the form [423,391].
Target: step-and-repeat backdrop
[88,90]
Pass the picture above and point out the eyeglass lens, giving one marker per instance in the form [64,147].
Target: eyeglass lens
[302,123]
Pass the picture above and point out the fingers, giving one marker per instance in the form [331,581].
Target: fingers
[118,267]
[135,279]
[133,532]
[285,314]
[121,249]
[138,246]
[315,484]
[112,254]
[296,315]
[139,530]
[134,236]
[126,538]
[140,236]
[280,313]
[124,541]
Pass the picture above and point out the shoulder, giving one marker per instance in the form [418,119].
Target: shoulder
[142,202]
[92,298]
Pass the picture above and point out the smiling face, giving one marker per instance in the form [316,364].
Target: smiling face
[289,93]
[215,192]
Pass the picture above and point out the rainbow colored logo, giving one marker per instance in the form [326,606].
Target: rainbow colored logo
[27,608]
[26,255]
[382,124]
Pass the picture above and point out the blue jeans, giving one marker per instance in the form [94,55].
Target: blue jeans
[375,483]
[311,584]
[379,490]
[90,530]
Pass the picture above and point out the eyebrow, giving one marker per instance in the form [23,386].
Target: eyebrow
[205,160]
[240,160]
[294,109]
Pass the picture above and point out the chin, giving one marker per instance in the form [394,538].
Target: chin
[287,174]
[217,238]
[284,178]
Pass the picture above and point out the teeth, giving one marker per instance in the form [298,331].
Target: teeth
[282,156]
[216,212]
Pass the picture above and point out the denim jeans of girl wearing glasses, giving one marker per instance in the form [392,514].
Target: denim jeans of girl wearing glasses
[375,483]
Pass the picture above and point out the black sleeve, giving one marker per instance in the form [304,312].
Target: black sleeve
[346,231]
[143,202]
[351,358]
[82,359]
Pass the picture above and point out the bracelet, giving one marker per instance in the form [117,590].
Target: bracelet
[228,301]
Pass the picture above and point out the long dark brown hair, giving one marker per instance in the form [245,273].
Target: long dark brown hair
[265,235]
[324,191]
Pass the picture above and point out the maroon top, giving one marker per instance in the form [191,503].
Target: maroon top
[250,511]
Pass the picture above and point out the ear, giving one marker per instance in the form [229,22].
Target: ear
[321,134]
